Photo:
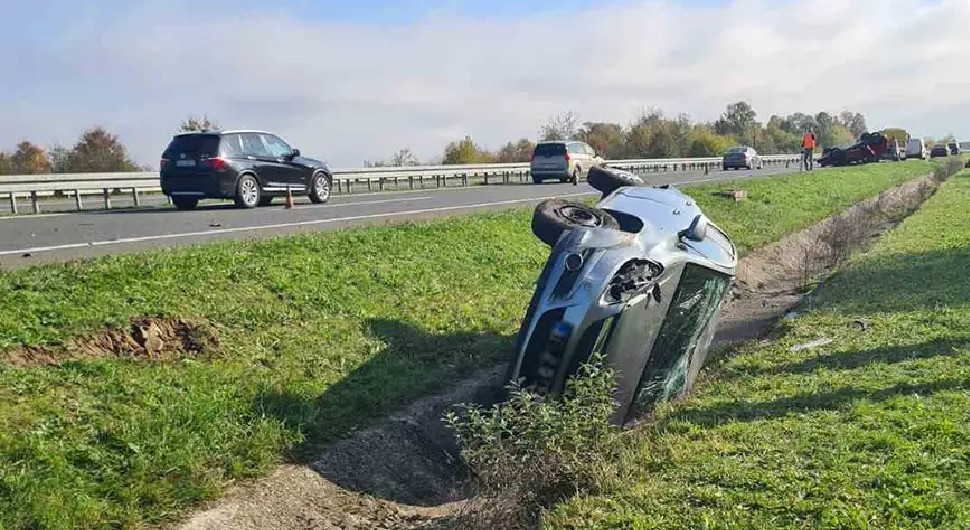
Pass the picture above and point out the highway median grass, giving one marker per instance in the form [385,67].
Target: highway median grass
[317,335]
[868,431]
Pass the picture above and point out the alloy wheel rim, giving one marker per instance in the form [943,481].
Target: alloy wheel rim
[580,216]
[249,191]
[323,188]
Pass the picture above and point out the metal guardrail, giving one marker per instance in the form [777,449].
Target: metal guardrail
[107,185]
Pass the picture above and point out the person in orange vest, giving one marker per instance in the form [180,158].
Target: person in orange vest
[809,143]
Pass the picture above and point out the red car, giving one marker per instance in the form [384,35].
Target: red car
[869,148]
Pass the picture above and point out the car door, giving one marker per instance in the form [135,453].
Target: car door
[286,172]
[260,157]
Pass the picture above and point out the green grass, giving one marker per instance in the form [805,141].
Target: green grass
[870,431]
[318,334]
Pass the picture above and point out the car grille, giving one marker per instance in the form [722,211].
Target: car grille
[537,361]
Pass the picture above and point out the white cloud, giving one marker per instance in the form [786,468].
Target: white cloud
[350,92]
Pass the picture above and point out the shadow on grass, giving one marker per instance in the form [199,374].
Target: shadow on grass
[808,403]
[860,359]
[411,459]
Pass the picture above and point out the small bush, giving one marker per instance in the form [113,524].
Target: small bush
[533,450]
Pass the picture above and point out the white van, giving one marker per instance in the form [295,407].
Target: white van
[915,148]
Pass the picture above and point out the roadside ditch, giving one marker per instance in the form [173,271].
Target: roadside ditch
[403,473]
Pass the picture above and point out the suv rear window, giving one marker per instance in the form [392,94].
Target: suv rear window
[550,150]
[193,145]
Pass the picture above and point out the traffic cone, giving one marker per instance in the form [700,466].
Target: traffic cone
[289,198]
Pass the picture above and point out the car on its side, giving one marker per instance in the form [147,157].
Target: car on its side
[939,151]
[249,167]
[563,160]
[639,279]
[741,157]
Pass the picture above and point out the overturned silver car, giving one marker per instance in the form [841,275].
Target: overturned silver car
[641,279]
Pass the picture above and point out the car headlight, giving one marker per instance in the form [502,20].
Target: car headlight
[633,278]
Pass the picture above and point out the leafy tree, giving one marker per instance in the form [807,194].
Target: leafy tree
[561,127]
[99,150]
[949,138]
[854,123]
[465,151]
[5,164]
[60,158]
[404,157]
[606,138]
[29,159]
[824,124]
[196,123]
[705,143]
[520,151]
[736,119]
[841,135]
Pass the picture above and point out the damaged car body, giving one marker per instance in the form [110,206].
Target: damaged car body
[640,278]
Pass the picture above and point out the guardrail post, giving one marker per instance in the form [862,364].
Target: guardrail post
[134,196]
[464,179]
[34,202]
[486,178]
[107,199]
[77,200]
[410,183]
[13,203]
[369,188]
[380,183]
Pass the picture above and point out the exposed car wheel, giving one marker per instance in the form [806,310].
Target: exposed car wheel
[185,203]
[266,200]
[319,189]
[607,180]
[247,192]
[552,217]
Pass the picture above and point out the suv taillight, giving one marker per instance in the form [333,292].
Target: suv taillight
[216,163]
[163,163]
[567,156]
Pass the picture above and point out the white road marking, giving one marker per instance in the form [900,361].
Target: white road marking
[300,207]
[127,240]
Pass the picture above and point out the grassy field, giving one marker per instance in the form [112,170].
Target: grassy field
[318,334]
[869,431]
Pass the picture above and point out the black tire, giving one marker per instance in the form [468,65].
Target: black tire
[607,180]
[552,217]
[320,188]
[536,180]
[248,192]
[185,203]
[266,200]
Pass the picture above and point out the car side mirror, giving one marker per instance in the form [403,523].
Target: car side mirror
[697,230]
[295,153]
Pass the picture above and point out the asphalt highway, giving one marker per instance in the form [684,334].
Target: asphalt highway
[31,239]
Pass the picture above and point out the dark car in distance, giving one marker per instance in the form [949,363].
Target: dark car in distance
[939,151]
[249,167]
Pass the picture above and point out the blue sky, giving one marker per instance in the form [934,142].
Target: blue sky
[350,81]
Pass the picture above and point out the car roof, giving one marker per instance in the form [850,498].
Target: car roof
[234,131]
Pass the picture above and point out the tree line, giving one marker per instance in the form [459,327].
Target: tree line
[96,150]
[651,135]
[656,135]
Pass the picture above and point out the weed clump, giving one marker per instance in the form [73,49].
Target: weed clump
[535,450]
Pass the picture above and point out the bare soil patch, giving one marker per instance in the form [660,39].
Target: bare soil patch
[403,473]
[146,338]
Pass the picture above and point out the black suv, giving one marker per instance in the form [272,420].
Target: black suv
[250,167]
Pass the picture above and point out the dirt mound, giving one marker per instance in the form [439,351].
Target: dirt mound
[146,338]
